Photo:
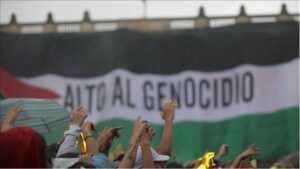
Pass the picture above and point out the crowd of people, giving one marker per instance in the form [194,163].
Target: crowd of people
[22,147]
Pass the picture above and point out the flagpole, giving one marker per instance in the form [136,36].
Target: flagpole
[145,8]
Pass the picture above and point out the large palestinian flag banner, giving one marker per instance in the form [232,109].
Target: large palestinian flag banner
[236,85]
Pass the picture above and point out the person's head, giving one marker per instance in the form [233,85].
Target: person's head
[22,147]
[82,164]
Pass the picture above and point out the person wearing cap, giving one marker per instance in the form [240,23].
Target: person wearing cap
[146,156]
[21,147]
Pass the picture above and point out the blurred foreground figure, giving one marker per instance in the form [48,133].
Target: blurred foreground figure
[21,147]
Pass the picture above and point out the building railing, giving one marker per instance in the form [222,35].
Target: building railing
[144,25]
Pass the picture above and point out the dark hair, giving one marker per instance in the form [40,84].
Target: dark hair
[53,149]
[217,163]
[80,164]
[174,165]
[45,159]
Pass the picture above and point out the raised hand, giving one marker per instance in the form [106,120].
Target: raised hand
[147,136]
[223,150]
[139,128]
[252,150]
[105,135]
[109,133]
[9,118]
[11,115]
[168,112]
[152,134]
[105,139]
[147,159]
[116,131]
[87,127]
[166,142]
[118,151]
[78,116]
